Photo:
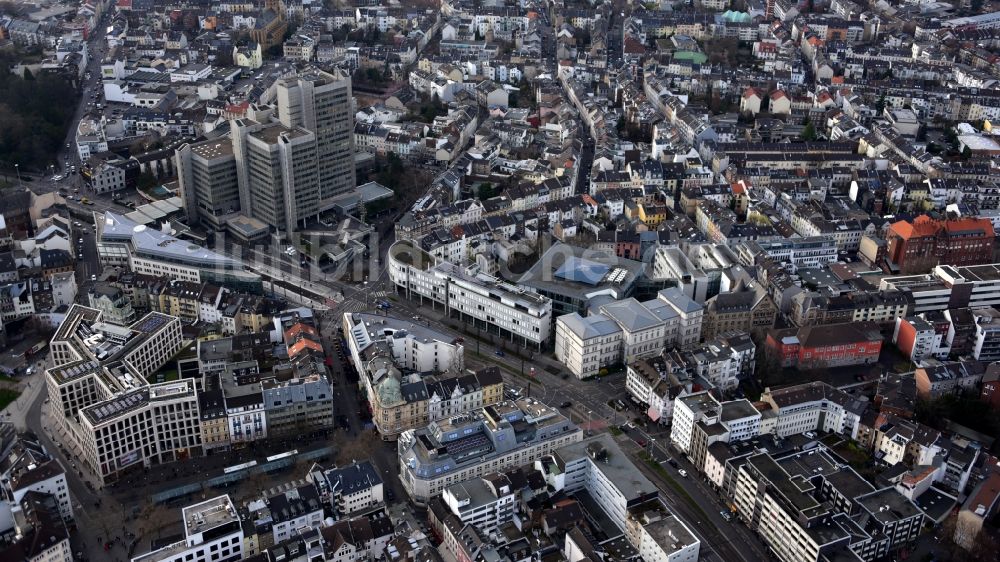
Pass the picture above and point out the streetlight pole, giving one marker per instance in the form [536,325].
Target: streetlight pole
[17,168]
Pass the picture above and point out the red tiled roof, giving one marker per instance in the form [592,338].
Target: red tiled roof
[987,494]
[633,46]
[924,226]
[969,224]
[297,330]
[301,345]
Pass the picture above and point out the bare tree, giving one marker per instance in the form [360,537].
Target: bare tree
[152,517]
[360,448]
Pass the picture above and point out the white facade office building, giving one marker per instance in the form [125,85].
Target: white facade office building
[626,331]
[124,242]
[486,502]
[631,502]
[321,102]
[587,344]
[814,406]
[507,310]
[796,253]
[212,533]
[498,437]
[100,395]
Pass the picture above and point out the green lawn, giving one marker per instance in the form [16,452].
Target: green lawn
[7,396]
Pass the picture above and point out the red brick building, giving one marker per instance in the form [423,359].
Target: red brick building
[918,246]
[821,347]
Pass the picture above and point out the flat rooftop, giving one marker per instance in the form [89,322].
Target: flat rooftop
[208,515]
[116,407]
[888,505]
[212,149]
[152,243]
[616,466]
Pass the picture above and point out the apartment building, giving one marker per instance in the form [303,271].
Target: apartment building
[724,361]
[923,336]
[814,406]
[212,533]
[509,311]
[982,503]
[298,395]
[288,511]
[486,502]
[39,533]
[353,488]
[29,469]
[114,304]
[654,383]
[856,305]
[700,420]
[806,507]
[986,338]
[746,308]
[935,378]
[794,253]
[470,446]
[630,501]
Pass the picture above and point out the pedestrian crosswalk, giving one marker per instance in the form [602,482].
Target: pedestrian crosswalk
[355,306]
[378,294]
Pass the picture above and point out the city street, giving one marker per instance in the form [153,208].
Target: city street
[718,531]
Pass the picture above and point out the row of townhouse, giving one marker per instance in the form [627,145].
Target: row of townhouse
[655,382]
[525,198]
[127,295]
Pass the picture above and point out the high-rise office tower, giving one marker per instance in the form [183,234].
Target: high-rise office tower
[283,172]
[277,172]
[321,102]
[207,175]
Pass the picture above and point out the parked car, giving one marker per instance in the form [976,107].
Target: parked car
[726,515]
[683,473]
[566,404]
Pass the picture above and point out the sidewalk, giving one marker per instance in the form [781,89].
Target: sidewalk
[17,411]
